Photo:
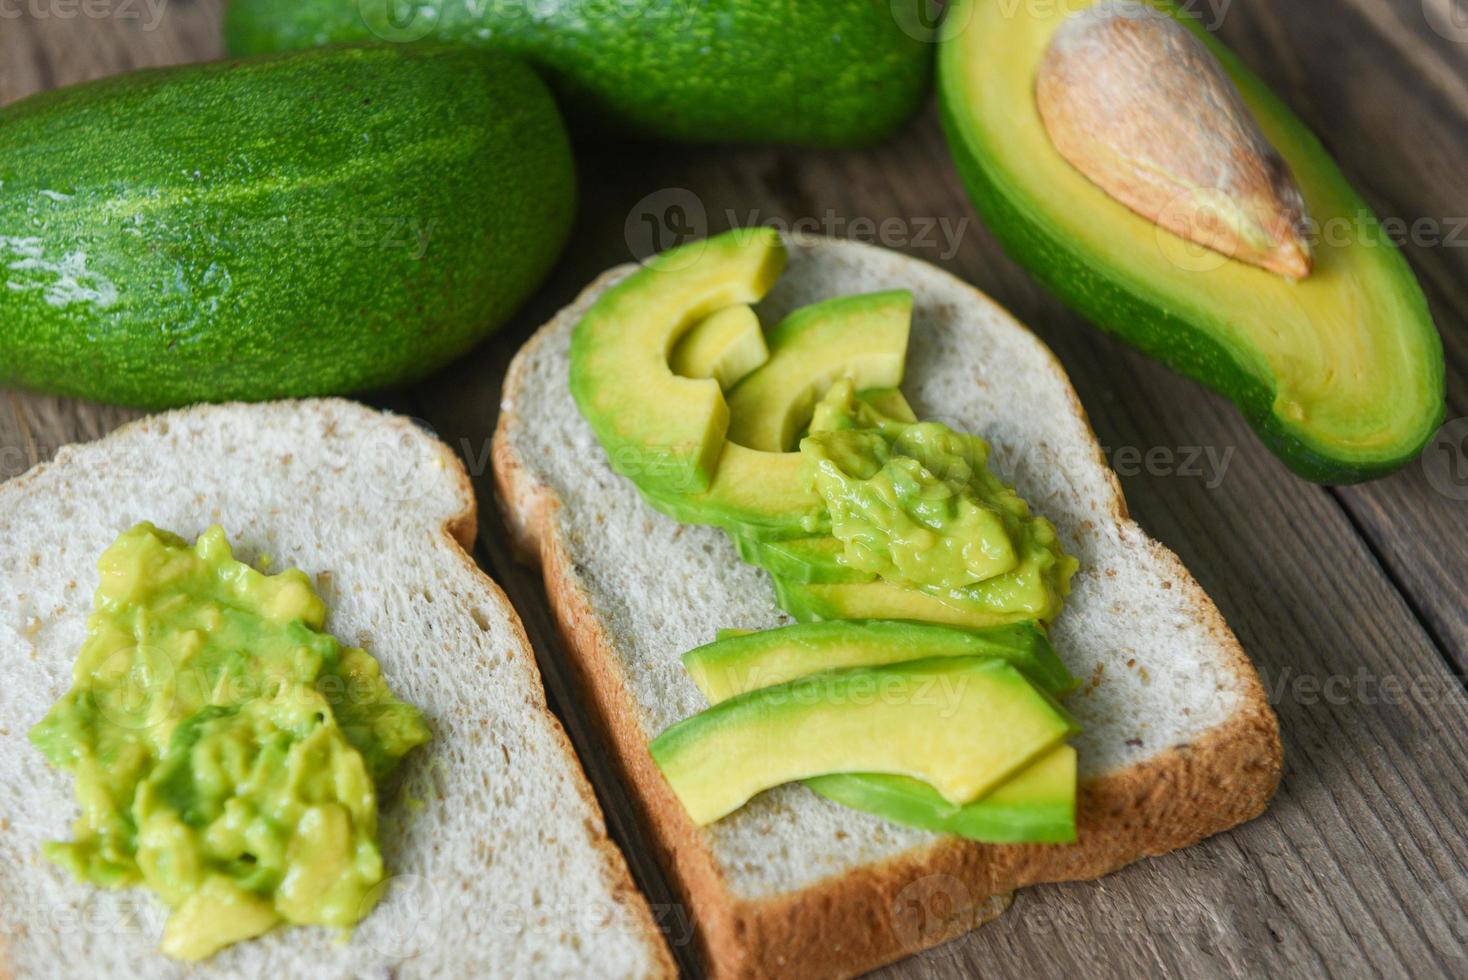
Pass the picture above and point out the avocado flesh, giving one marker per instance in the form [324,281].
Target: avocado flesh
[961,725]
[759,494]
[813,582]
[1037,805]
[800,560]
[862,338]
[1341,373]
[733,665]
[889,402]
[809,602]
[753,493]
[662,431]
[725,345]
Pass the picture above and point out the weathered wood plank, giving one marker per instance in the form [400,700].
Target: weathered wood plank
[1386,87]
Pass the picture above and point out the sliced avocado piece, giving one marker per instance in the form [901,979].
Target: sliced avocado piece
[733,665]
[725,345]
[763,495]
[861,338]
[1341,372]
[960,724]
[808,602]
[1037,805]
[662,431]
[1023,593]
[802,560]
[754,494]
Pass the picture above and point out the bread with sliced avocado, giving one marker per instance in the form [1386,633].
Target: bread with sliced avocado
[1178,741]
[495,847]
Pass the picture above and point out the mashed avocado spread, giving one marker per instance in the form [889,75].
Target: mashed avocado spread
[226,750]
[916,504]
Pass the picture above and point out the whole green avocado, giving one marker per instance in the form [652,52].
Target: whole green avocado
[307,224]
[799,71]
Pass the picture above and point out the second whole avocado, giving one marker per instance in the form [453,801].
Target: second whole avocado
[824,74]
[308,224]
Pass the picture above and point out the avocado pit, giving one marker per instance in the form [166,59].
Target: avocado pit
[1133,100]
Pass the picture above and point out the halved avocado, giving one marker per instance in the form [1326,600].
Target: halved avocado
[960,724]
[1341,373]
[662,431]
[733,665]
[862,338]
[1037,805]
[725,345]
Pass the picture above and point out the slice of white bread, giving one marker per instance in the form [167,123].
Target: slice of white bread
[502,862]
[1179,740]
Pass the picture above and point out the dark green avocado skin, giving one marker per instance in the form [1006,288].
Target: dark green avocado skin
[790,71]
[316,223]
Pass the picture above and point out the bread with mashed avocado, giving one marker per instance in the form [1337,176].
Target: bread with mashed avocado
[1179,741]
[497,854]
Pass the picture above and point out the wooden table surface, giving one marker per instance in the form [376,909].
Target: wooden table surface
[1353,602]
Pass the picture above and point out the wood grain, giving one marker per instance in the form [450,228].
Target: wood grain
[1352,601]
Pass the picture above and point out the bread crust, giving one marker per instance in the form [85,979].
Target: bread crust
[459,533]
[863,919]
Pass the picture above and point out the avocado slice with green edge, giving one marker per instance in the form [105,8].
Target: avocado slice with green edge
[754,494]
[810,601]
[761,493]
[752,537]
[662,431]
[830,589]
[725,345]
[1341,373]
[1037,805]
[862,338]
[800,560]
[733,665]
[960,724]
